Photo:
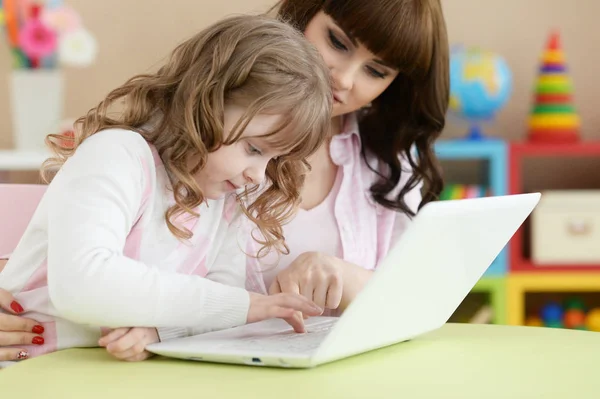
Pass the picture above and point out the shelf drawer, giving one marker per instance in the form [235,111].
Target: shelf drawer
[565,228]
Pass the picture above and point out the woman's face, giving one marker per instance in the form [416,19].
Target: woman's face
[358,75]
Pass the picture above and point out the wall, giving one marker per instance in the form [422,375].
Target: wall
[518,29]
[133,35]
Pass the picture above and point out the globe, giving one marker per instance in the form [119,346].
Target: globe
[480,85]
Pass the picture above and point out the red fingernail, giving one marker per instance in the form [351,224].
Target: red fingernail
[37,341]
[16,307]
[22,355]
[38,329]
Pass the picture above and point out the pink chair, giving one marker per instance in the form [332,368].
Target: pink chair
[18,202]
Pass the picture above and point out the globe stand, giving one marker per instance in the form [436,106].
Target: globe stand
[475,133]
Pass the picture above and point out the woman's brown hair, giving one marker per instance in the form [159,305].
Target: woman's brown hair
[253,61]
[411,112]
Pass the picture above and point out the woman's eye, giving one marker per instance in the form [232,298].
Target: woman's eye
[374,72]
[335,42]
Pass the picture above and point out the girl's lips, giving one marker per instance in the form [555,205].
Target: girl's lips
[233,186]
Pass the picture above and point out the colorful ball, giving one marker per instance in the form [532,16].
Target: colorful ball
[552,312]
[554,324]
[534,321]
[592,321]
[575,303]
[574,318]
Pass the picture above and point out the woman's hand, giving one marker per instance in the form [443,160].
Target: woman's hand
[315,276]
[129,344]
[16,330]
[330,282]
[289,307]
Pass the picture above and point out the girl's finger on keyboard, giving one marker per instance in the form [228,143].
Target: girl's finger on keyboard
[297,322]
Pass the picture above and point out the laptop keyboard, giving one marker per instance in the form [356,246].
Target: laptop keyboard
[287,341]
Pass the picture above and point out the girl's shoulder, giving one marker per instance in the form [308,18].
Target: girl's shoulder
[118,138]
[118,145]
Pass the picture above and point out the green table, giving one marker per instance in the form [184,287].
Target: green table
[457,361]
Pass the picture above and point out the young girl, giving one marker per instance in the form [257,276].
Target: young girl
[143,225]
[389,65]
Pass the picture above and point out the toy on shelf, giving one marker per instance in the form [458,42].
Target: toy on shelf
[480,85]
[592,320]
[553,117]
[527,295]
[454,191]
[572,315]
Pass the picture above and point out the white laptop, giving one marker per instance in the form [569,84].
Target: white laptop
[415,290]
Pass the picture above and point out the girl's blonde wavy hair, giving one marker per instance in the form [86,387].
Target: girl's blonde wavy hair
[257,62]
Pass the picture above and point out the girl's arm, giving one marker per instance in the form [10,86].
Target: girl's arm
[229,268]
[93,203]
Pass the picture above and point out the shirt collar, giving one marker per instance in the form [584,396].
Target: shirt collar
[342,144]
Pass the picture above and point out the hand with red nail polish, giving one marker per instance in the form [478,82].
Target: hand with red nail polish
[15,329]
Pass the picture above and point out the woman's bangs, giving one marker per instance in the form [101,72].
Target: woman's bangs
[398,32]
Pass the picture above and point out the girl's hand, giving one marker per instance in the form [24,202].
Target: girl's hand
[129,344]
[315,276]
[289,307]
[16,330]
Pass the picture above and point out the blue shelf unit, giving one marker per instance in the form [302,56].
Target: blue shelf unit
[495,153]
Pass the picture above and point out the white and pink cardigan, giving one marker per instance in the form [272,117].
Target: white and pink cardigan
[98,253]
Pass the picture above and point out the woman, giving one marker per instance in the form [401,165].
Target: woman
[389,66]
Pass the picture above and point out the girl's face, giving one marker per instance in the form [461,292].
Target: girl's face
[358,75]
[243,163]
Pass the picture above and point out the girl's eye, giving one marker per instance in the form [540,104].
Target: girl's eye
[252,150]
[335,42]
[375,73]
